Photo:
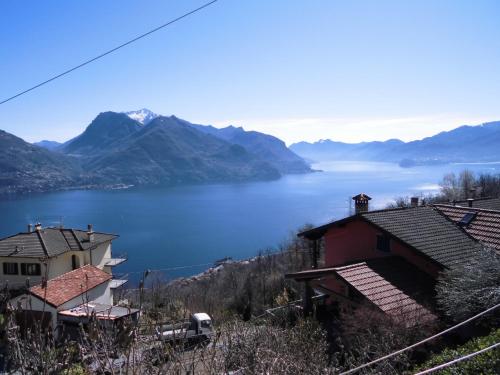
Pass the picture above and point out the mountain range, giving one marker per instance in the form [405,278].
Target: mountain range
[463,144]
[25,167]
[142,148]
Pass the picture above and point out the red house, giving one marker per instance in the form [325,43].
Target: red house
[391,258]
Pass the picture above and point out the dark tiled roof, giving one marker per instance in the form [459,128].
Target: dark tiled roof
[484,203]
[311,274]
[49,242]
[70,285]
[393,285]
[427,231]
[423,228]
[484,227]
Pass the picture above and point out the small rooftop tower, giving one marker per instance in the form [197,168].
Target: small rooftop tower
[361,202]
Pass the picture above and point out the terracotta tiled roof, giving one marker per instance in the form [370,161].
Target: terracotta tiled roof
[484,225]
[49,242]
[392,284]
[70,285]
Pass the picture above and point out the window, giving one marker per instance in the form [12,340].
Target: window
[383,243]
[206,324]
[467,218]
[10,269]
[31,269]
[75,262]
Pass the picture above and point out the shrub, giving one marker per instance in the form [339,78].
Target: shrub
[486,363]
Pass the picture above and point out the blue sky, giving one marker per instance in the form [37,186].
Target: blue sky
[300,70]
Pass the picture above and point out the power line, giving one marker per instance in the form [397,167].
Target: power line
[421,342]
[110,51]
[457,360]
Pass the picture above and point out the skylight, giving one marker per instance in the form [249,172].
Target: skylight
[466,220]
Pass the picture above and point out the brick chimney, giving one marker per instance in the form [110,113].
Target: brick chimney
[470,201]
[361,203]
[90,233]
[414,201]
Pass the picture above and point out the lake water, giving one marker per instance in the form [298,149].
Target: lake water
[191,226]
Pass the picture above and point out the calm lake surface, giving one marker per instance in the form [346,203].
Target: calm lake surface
[164,228]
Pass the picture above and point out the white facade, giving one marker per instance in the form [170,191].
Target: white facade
[56,266]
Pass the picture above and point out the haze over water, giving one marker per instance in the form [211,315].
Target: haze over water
[191,225]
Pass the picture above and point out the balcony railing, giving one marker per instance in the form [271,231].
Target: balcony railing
[116,260]
[118,281]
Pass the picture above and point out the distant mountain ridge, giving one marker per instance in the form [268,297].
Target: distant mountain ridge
[116,149]
[266,147]
[49,145]
[25,167]
[104,130]
[144,115]
[464,144]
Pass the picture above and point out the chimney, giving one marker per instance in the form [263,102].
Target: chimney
[90,233]
[30,228]
[414,201]
[38,227]
[361,203]
[469,202]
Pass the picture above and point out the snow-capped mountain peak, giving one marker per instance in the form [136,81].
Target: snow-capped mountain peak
[144,116]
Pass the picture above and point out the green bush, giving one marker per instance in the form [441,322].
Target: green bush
[485,363]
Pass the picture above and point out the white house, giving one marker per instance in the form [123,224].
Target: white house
[69,299]
[45,253]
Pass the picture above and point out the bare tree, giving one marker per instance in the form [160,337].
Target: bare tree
[450,187]
[467,184]
[471,287]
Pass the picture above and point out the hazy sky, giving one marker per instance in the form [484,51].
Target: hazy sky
[300,70]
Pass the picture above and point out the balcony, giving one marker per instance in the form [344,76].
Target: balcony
[115,261]
[116,283]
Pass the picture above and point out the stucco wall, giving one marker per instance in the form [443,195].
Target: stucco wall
[101,255]
[100,294]
[28,302]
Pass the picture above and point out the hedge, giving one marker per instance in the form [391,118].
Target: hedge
[485,363]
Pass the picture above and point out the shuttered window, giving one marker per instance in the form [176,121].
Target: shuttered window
[31,269]
[10,269]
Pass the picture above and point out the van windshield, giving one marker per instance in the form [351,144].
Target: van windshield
[206,324]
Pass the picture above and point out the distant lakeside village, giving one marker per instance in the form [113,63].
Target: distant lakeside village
[386,263]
